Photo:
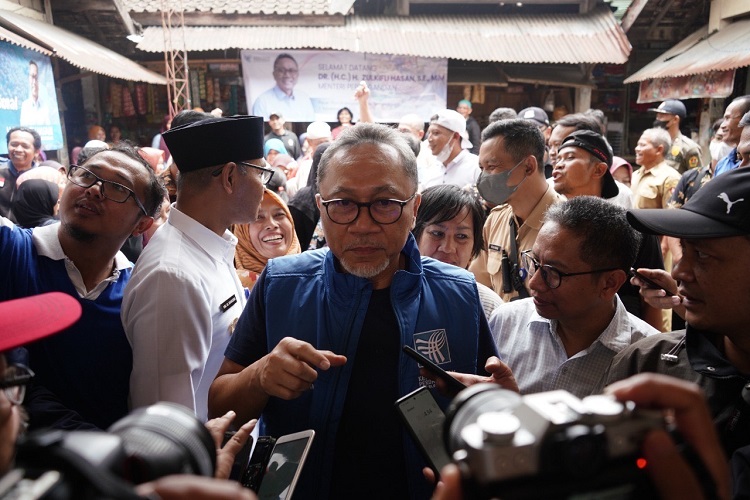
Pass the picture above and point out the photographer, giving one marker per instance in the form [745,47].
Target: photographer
[671,474]
[32,318]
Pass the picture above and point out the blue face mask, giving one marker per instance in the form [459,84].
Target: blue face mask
[494,187]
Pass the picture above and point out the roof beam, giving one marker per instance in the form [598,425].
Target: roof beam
[632,14]
[127,21]
[208,19]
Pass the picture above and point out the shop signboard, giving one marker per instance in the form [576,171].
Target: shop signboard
[712,84]
[308,85]
[27,95]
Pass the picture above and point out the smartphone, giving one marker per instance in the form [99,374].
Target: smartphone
[256,467]
[424,419]
[649,282]
[285,466]
[241,458]
[454,386]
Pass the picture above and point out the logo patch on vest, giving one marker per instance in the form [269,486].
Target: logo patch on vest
[433,345]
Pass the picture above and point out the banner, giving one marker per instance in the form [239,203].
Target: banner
[713,84]
[308,85]
[27,95]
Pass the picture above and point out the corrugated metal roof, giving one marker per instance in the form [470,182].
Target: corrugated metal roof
[11,37]
[79,51]
[296,7]
[524,38]
[700,52]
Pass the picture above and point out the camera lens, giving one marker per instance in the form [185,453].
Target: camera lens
[164,439]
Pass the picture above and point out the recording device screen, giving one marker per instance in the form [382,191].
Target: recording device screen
[424,419]
[285,466]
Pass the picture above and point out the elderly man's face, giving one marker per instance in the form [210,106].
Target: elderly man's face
[730,127]
[366,173]
[714,283]
[647,154]
[286,72]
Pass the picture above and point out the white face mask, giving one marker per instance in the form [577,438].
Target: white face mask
[445,153]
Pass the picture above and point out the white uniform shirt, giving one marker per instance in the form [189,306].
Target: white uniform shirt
[529,344]
[179,309]
[462,171]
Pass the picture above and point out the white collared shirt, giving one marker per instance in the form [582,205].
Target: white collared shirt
[179,310]
[463,170]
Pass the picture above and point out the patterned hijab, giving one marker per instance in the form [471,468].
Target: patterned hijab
[246,256]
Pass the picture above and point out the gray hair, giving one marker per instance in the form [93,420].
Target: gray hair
[659,137]
[607,239]
[371,133]
[503,114]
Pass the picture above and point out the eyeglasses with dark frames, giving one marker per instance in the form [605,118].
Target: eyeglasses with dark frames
[14,382]
[343,211]
[85,178]
[266,173]
[551,275]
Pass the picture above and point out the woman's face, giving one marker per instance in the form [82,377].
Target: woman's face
[272,154]
[345,116]
[271,233]
[451,241]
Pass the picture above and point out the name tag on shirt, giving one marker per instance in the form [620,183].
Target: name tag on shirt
[228,303]
[496,248]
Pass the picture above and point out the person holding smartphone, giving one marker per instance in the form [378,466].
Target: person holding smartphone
[319,344]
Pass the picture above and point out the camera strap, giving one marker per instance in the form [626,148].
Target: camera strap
[515,270]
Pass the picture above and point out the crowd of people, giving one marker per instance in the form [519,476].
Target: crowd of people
[238,272]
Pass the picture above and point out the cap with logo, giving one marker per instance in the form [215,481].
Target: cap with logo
[719,209]
[215,141]
[455,122]
[672,107]
[31,318]
[276,114]
[596,145]
[535,114]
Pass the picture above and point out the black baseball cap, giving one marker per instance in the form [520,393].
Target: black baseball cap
[671,106]
[719,209]
[535,114]
[596,145]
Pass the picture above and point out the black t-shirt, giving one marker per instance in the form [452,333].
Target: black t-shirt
[369,459]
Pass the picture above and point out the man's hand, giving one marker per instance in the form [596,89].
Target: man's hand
[363,92]
[656,297]
[291,368]
[671,474]
[500,374]
[225,455]
[180,487]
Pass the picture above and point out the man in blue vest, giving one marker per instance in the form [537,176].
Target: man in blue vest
[319,344]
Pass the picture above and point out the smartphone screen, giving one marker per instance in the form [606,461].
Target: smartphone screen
[256,467]
[285,465]
[454,386]
[649,282]
[424,419]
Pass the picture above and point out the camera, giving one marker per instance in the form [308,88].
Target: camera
[147,444]
[548,445]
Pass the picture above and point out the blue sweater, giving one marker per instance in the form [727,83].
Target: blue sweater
[83,373]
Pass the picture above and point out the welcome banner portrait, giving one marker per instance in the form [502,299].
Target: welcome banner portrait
[27,95]
[325,82]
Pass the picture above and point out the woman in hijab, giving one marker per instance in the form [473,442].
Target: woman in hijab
[270,235]
[272,148]
[35,203]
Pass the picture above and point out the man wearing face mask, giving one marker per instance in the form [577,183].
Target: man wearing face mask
[449,142]
[684,153]
[511,159]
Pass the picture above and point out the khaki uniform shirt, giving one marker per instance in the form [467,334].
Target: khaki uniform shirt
[487,266]
[654,188]
[684,154]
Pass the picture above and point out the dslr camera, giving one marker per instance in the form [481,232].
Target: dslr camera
[548,445]
[147,444]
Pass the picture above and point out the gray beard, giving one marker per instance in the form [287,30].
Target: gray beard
[366,271]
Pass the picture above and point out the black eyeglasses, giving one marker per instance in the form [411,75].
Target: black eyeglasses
[14,382]
[342,211]
[266,173]
[552,276]
[81,176]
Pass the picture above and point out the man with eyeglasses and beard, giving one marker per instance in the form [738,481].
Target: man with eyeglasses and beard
[319,343]
[82,373]
[184,298]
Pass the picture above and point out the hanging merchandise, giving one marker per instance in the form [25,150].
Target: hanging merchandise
[151,98]
[140,98]
[195,88]
[477,94]
[115,95]
[128,109]
[217,93]
[209,90]
[202,84]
